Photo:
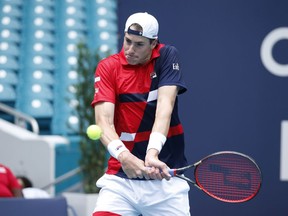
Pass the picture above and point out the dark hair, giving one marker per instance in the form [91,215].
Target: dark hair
[26,182]
[152,40]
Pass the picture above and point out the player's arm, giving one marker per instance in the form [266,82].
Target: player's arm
[14,185]
[17,192]
[165,104]
[131,165]
[104,115]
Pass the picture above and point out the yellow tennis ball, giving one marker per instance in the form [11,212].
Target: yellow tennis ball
[94,132]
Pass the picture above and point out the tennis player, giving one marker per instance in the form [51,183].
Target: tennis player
[135,104]
[9,186]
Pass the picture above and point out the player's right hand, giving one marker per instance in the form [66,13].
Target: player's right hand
[132,166]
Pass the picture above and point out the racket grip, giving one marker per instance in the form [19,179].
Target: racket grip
[172,172]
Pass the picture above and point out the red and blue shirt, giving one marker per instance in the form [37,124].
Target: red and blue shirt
[8,182]
[133,89]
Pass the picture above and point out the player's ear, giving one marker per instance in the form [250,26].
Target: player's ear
[154,43]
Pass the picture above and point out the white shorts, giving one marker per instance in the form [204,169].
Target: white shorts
[139,197]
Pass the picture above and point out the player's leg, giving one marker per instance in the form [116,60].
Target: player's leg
[169,198]
[115,198]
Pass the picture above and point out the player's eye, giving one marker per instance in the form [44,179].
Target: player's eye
[128,41]
[139,44]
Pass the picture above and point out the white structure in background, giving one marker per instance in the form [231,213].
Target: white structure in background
[29,154]
[281,70]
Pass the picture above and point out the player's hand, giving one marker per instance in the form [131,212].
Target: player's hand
[157,169]
[132,166]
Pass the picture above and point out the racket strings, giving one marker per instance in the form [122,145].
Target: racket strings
[230,178]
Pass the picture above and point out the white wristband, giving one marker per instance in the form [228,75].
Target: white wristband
[115,147]
[156,141]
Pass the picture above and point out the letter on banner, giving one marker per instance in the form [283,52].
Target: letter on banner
[284,152]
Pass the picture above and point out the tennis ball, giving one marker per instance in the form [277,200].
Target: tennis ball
[94,132]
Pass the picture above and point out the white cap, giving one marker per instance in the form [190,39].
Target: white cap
[148,23]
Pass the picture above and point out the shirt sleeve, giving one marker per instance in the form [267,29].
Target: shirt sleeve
[12,180]
[104,83]
[169,69]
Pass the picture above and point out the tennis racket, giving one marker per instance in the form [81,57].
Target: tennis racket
[226,176]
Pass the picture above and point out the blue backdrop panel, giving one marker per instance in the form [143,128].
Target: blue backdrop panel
[235,101]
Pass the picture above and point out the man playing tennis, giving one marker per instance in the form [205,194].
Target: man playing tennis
[135,104]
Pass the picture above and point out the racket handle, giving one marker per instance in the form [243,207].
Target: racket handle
[172,172]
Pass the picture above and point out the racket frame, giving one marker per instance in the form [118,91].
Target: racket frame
[176,172]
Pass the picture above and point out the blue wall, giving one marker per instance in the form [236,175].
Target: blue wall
[234,102]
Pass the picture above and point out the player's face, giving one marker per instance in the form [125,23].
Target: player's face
[137,49]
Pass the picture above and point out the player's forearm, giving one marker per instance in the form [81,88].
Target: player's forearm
[162,124]
[17,192]
[110,139]
[165,105]
[159,132]
[104,117]
[108,132]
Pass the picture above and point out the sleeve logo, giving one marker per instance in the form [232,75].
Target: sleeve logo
[175,66]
